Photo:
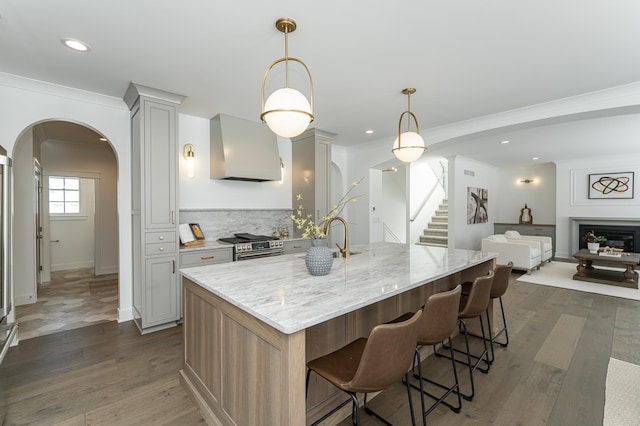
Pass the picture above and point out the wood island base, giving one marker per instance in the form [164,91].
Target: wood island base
[241,371]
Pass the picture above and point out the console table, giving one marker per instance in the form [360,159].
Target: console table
[587,271]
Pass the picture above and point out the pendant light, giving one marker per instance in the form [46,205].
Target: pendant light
[287,112]
[408,146]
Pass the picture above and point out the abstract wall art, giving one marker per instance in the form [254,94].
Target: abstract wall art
[611,185]
[477,205]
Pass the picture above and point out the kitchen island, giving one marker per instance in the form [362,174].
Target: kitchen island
[250,326]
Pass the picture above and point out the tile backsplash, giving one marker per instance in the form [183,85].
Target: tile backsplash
[219,223]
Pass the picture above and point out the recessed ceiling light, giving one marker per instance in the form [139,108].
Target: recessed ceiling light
[504,142]
[74,44]
[368,132]
[535,158]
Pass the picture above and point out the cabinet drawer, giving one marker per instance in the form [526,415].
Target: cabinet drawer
[160,237]
[205,257]
[296,246]
[160,248]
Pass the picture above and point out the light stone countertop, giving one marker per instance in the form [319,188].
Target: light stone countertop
[280,291]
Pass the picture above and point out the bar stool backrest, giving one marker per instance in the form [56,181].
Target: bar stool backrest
[501,275]
[439,317]
[387,356]
[478,299]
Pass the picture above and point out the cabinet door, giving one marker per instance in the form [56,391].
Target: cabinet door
[159,165]
[161,291]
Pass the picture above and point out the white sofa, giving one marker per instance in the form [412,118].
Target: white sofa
[525,254]
[546,245]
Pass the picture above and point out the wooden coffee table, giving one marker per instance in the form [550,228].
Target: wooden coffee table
[588,272]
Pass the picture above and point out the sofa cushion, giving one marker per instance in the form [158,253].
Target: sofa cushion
[535,252]
[498,238]
[512,234]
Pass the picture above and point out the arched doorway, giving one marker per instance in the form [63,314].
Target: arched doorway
[84,237]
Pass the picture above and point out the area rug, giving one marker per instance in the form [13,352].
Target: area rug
[621,395]
[560,274]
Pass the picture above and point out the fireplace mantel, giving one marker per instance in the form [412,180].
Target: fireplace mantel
[575,223]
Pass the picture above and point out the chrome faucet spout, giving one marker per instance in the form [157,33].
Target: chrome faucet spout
[343,250]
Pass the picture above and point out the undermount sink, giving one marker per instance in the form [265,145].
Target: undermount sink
[335,253]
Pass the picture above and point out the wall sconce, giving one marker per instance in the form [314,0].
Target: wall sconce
[527,181]
[287,112]
[409,146]
[190,156]
[281,171]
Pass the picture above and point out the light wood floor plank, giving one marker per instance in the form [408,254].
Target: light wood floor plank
[561,343]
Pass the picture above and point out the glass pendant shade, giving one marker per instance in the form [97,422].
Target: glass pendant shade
[411,149]
[287,112]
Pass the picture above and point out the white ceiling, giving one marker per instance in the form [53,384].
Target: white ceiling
[467,58]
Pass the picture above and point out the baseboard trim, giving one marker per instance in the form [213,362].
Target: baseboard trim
[125,315]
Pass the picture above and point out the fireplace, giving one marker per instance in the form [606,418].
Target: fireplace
[626,238]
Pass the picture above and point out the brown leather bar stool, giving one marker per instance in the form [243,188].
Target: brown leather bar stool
[501,276]
[439,321]
[370,364]
[473,306]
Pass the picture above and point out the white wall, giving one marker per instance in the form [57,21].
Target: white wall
[24,232]
[572,195]
[73,236]
[205,193]
[539,196]
[394,205]
[27,102]
[464,173]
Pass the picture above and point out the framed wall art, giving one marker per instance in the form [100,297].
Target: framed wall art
[611,185]
[477,205]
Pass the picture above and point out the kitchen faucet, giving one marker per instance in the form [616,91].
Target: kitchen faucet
[344,250]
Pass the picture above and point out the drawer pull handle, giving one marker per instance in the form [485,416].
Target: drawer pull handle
[161,237]
[161,248]
[207,257]
[295,247]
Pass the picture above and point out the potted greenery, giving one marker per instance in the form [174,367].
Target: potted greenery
[593,241]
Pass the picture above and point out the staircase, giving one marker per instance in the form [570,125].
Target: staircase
[437,231]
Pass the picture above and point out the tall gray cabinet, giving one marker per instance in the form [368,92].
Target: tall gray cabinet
[311,171]
[154,205]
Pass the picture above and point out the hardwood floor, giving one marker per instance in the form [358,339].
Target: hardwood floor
[552,373]
[104,374]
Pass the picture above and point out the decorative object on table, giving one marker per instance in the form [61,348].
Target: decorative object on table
[525,215]
[593,241]
[304,222]
[319,258]
[190,234]
[611,185]
[477,205]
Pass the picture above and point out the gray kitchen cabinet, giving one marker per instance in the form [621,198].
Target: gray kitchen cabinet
[528,229]
[208,256]
[154,178]
[296,246]
[311,171]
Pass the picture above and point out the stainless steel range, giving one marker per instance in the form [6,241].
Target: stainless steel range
[249,246]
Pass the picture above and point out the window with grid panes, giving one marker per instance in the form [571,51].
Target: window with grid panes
[64,195]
